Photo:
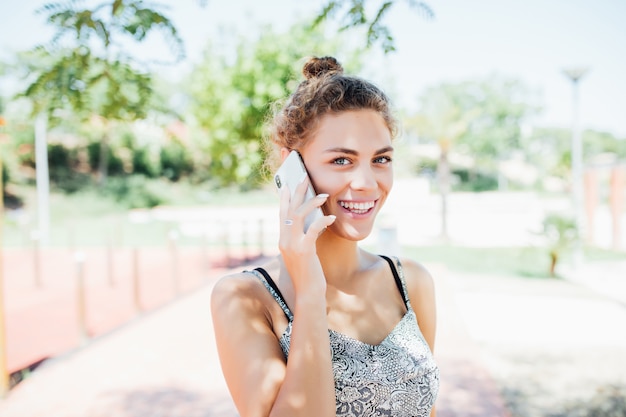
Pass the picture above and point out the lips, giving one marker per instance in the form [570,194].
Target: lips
[357,207]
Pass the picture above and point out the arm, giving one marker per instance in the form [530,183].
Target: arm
[260,381]
[421,288]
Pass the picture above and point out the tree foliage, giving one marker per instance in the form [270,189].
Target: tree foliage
[355,14]
[231,97]
[112,23]
[85,70]
[482,118]
[84,66]
[550,149]
[499,108]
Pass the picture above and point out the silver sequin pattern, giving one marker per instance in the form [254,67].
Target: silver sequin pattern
[397,377]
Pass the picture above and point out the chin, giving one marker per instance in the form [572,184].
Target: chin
[351,233]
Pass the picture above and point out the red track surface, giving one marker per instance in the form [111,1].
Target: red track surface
[42,293]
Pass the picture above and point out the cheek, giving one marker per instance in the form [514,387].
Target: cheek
[322,181]
[385,180]
[328,187]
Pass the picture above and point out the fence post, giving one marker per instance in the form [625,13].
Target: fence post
[173,238]
[79,258]
[136,283]
[205,254]
[35,237]
[109,260]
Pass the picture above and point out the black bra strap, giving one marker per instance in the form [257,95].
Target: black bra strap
[281,299]
[399,282]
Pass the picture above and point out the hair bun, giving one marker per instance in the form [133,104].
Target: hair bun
[316,67]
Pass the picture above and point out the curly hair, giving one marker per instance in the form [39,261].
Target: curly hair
[325,89]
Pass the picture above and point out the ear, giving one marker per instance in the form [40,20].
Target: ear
[284,153]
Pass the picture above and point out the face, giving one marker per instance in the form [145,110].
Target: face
[349,158]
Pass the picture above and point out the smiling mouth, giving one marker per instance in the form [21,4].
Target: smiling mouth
[357,208]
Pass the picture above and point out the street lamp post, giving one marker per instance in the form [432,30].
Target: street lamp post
[575,75]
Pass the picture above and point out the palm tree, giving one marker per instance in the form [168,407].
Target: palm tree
[442,120]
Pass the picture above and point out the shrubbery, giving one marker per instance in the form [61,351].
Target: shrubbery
[136,175]
[137,191]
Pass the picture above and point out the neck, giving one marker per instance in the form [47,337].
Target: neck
[340,258]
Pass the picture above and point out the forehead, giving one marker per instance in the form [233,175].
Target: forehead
[357,129]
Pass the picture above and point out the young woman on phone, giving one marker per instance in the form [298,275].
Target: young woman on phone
[327,328]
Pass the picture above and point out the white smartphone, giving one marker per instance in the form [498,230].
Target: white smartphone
[291,173]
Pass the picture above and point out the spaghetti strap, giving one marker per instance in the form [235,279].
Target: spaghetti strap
[398,276]
[271,286]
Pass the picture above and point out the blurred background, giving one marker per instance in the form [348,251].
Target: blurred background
[132,176]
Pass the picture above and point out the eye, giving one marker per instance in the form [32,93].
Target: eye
[341,161]
[382,160]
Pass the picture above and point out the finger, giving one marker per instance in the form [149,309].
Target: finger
[318,226]
[308,206]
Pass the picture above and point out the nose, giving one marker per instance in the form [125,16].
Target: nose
[364,178]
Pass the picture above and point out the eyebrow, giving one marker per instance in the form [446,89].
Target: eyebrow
[354,152]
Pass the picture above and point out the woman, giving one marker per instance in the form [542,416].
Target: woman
[327,328]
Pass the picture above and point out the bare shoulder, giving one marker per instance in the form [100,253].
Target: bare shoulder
[236,284]
[241,292]
[243,285]
[421,288]
[418,278]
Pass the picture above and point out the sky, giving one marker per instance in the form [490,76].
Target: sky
[533,41]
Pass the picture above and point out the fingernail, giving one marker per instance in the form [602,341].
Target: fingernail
[332,216]
[323,195]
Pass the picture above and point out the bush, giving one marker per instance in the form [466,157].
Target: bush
[176,161]
[69,181]
[115,165]
[142,163]
[560,232]
[136,191]
[63,163]
[474,181]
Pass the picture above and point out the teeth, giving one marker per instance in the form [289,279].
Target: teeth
[357,207]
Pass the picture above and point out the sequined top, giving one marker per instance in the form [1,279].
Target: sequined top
[397,377]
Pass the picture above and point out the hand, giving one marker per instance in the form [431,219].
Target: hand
[298,248]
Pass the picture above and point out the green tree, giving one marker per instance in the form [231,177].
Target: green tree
[480,118]
[231,97]
[355,14]
[550,149]
[441,119]
[84,68]
[500,107]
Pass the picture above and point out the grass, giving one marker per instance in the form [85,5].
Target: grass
[530,262]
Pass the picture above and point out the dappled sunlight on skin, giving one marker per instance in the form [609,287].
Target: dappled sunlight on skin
[367,312]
